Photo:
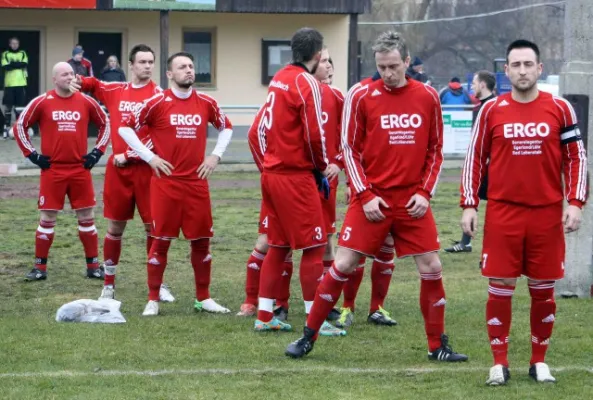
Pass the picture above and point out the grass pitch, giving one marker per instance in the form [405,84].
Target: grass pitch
[186,355]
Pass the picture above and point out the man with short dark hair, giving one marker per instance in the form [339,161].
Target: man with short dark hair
[292,141]
[483,86]
[14,62]
[532,141]
[127,177]
[179,196]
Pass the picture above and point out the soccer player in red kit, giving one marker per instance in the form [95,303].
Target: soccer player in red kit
[127,177]
[291,137]
[392,135]
[256,258]
[179,197]
[531,139]
[63,119]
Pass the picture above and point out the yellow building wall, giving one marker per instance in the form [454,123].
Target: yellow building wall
[237,48]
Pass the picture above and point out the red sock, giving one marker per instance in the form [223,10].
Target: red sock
[90,241]
[44,237]
[326,297]
[284,287]
[201,261]
[353,284]
[157,262]
[543,314]
[149,240]
[432,304]
[498,319]
[111,253]
[327,264]
[310,272]
[254,264]
[381,276]
[270,276]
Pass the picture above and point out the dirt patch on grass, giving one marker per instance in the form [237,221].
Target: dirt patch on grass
[234,184]
[29,190]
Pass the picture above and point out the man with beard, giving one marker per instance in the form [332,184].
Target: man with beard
[532,140]
[294,168]
[179,196]
[127,177]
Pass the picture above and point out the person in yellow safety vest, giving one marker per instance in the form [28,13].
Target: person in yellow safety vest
[14,62]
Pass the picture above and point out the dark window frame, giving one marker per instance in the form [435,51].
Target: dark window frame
[213,34]
[266,77]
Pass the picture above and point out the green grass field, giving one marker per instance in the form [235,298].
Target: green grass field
[185,355]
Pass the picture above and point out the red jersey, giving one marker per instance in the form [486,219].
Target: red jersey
[253,140]
[332,104]
[291,133]
[63,124]
[392,137]
[120,99]
[528,145]
[179,128]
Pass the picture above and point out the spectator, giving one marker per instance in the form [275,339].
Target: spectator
[416,71]
[76,63]
[112,71]
[85,61]
[455,94]
[14,62]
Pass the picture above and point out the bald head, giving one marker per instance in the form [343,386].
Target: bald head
[60,68]
[62,76]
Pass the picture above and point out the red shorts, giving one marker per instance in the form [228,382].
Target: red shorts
[295,218]
[412,236]
[58,182]
[521,240]
[125,189]
[180,205]
[263,219]
[329,208]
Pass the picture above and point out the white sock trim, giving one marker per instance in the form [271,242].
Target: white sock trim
[47,231]
[266,304]
[91,228]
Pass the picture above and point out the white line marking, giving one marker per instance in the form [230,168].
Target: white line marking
[251,371]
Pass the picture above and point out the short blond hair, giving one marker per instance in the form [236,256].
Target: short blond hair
[389,41]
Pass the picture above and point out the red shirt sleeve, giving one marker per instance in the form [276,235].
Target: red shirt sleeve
[353,136]
[105,92]
[339,160]
[476,158]
[144,114]
[27,119]
[574,156]
[101,120]
[257,140]
[216,116]
[434,153]
[310,105]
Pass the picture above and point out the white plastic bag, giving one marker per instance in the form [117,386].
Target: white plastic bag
[104,311]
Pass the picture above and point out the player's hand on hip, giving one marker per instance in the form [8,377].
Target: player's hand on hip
[76,84]
[331,172]
[572,219]
[348,194]
[159,165]
[40,160]
[372,209]
[208,166]
[469,221]
[120,160]
[417,206]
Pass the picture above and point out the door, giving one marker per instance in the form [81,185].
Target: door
[99,46]
[29,41]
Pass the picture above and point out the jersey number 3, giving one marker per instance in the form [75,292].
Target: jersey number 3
[267,117]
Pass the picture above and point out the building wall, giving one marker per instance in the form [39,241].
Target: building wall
[238,41]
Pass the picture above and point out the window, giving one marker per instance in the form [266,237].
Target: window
[275,55]
[201,44]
